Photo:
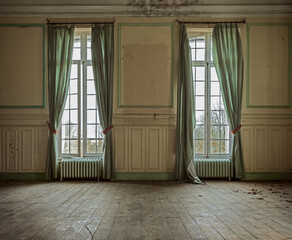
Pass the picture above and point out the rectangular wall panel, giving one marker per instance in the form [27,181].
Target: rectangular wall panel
[248,147]
[11,150]
[121,149]
[276,149]
[170,148]
[261,149]
[27,149]
[137,149]
[41,149]
[154,149]
[1,149]
[288,148]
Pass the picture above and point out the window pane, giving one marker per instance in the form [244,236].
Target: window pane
[77,41]
[88,54]
[214,148]
[91,114]
[99,146]
[199,146]
[215,105]
[74,71]
[214,131]
[74,116]
[88,41]
[200,42]
[76,54]
[91,102]
[65,118]
[74,131]
[192,43]
[91,144]
[200,117]
[65,131]
[200,103]
[215,88]
[200,54]
[90,87]
[199,132]
[200,88]
[213,74]
[65,146]
[73,101]
[74,146]
[89,72]
[99,131]
[224,147]
[215,118]
[193,54]
[67,103]
[200,73]
[224,133]
[91,131]
[73,86]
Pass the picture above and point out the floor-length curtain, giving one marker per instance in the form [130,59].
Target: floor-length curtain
[60,47]
[185,167]
[102,42]
[228,61]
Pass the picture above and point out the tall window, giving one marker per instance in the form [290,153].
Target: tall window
[80,132]
[211,135]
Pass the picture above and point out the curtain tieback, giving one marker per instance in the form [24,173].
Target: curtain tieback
[51,129]
[107,129]
[236,129]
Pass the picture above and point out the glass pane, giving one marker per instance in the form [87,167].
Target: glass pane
[200,117]
[200,73]
[224,147]
[200,88]
[224,133]
[65,131]
[214,132]
[89,72]
[65,146]
[192,43]
[88,41]
[73,101]
[74,146]
[97,118]
[200,42]
[77,41]
[200,103]
[73,86]
[199,146]
[200,54]
[214,147]
[215,105]
[215,88]
[215,118]
[193,54]
[213,74]
[199,132]
[74,71]
[90,87]
[74,116]
[91,114]
[73,131]
[91,102]
[88,54]
[65,118]
[91,131]
[91,144]
[99,146]
[67,103]
[224,119]
[76,54]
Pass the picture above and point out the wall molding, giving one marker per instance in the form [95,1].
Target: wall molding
[22,176]
[144,176]
[268,176]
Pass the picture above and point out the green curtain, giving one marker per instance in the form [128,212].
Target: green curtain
[228,61]
[102,47]
[60,47]
[185,167]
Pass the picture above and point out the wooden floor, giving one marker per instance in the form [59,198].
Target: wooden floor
[145,210]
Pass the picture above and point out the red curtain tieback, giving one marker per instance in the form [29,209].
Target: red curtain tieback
[236,129]
[107,129]
[51,129]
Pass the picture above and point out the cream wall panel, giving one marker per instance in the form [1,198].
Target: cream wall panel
[170,149]
[11,150]
[288,150]
[276,149]
[154,149]
[121,146]
[42,135]
[261,149]
[137,149]
[27,149]
[248,147]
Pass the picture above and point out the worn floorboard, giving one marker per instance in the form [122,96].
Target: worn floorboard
[145,210]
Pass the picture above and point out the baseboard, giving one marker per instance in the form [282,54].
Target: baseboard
[22,176]
[273,176]
[144,176]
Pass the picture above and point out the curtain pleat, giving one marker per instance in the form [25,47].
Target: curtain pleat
[102,47]
[60,47]
[185,167]
[228,61]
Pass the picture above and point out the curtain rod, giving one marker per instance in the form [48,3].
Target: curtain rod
[243,21]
